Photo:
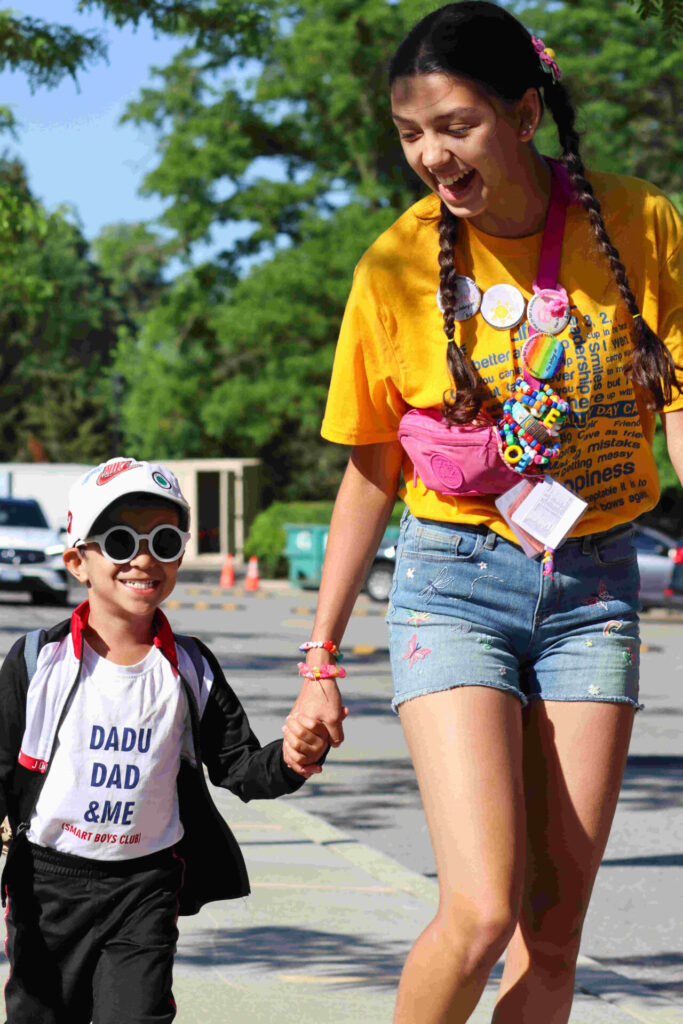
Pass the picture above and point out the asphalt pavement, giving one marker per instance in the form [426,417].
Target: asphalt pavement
[342,872]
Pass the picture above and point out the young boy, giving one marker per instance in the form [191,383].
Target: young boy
[106,720]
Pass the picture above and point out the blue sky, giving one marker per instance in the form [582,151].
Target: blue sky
[70,141]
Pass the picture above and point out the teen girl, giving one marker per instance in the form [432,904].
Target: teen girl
[516,679]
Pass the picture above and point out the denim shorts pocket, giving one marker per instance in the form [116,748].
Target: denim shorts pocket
[439,543]
[615,551]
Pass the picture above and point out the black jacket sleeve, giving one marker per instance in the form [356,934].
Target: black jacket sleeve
[230,750]
[13,687]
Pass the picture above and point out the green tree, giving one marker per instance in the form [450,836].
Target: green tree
[247,373]
[131,258]
[58,326]
[626,78]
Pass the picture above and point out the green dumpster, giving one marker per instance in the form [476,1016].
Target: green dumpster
[305,549]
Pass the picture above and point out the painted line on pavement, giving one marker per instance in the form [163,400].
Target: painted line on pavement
[319,886]
[337,979]
[257,827]
[630,997]
[203,606]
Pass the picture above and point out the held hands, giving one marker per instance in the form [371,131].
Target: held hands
[306,740]
[319,710]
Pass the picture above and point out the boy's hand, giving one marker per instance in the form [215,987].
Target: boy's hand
[306,740]
[5,836]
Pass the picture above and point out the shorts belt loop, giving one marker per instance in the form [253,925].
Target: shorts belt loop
[587,544]
[491,540]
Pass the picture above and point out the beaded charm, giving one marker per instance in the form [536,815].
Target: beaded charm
[548,561]
[528,429]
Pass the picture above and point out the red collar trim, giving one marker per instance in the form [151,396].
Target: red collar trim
[79,621]
[163,634]
[164,639]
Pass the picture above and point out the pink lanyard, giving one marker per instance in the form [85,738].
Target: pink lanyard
[553,233]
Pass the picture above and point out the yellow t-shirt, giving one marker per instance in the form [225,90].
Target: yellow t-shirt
[391,354]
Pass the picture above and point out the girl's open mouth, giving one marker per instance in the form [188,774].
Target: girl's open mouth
[456,191]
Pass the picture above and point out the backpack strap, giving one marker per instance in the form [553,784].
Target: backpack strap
[32,644]
[191,647]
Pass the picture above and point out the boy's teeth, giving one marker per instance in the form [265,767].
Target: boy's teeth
[138,584]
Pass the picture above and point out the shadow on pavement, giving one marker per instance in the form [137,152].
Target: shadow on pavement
[637,967]
[653,782]
[300,950]
[369,799]
[663,860]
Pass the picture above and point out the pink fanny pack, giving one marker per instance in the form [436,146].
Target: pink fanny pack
[461,459]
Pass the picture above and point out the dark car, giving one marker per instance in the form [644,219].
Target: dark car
[660,560]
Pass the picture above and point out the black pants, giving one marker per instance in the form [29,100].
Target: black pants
[90,941]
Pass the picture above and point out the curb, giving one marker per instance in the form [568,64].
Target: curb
[630,997]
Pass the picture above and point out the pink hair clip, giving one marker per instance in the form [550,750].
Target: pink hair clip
[547,58]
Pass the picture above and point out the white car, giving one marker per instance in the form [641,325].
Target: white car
[31,553]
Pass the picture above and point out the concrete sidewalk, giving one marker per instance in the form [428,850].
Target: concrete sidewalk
[323,936]
[325,932]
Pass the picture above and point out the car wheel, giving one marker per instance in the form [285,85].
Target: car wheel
[378,583]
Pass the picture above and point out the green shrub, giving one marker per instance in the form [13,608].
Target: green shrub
[267,537]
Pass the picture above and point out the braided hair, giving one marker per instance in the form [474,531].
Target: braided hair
[485,43]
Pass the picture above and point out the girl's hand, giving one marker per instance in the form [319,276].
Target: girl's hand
[319,701]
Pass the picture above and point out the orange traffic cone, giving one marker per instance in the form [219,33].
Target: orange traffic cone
[227,579]
[251,580]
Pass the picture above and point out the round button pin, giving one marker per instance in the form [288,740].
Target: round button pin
[467,298]
[543,355]
[542,312]
[502,306]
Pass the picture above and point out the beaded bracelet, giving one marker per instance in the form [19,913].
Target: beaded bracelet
[320,671]
[326,645]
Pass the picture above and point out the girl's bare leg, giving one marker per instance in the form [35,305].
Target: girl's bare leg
[466,745]
[574,759]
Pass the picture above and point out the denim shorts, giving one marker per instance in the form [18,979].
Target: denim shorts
[468,608]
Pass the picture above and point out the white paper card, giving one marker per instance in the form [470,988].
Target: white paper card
[549,512]
[506,505]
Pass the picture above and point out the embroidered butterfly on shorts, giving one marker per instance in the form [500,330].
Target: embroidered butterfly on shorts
[415,652]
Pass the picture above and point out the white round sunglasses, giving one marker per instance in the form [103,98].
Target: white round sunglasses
[119,544]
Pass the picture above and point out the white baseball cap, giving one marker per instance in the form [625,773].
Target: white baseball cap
[97,489]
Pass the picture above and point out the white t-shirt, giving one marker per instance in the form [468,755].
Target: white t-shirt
[110,792]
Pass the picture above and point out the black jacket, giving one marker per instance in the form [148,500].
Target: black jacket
[223,741]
